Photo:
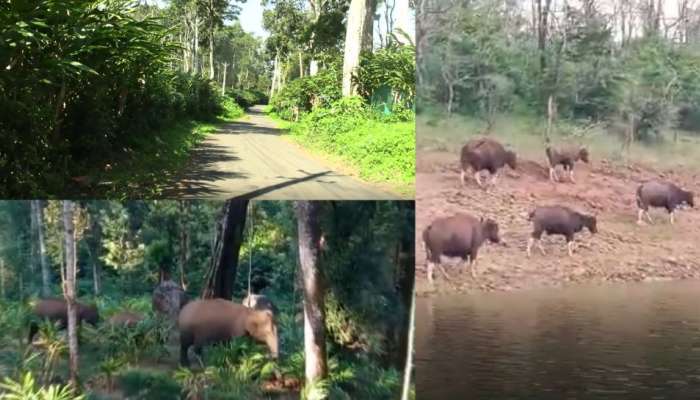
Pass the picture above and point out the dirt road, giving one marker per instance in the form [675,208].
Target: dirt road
[621,251]
[248,158]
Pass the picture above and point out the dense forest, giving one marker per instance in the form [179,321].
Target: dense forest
[109,98]
[337,276]
[623,68]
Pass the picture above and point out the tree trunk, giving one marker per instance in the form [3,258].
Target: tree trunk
[314,314]
[223,81]
[357,18]
[408,369]
[211,48]
[316,14]
[38,212]
[368,33]
[96,283]
[68,276]
[227,246]
[550,117]
[195,53]
[301,65]
[542,18]
[2,278]
[184,242]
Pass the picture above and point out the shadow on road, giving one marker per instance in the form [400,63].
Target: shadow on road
[271,188]
[242,127]
[195,179]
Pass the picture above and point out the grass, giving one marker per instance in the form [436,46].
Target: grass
[524,133]
[149,172]
[379,152]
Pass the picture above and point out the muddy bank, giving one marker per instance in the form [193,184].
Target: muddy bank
[622,251]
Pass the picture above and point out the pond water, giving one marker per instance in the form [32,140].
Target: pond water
[630,341]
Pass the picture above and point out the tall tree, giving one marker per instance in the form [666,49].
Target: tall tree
[309,233]
[68,277]
[38,217]
[354,35]
[226,249]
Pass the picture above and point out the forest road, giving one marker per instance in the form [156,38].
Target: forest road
[249,159]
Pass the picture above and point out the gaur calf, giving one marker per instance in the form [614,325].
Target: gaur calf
[661,194]
[565,157]
[485,154]
[558,220]
[460,235]
[56,310]
[203,322]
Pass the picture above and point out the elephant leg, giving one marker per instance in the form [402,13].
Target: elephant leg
[33,329]
[185,343]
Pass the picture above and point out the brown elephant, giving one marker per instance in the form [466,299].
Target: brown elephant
[203,322]
[125,318]
[57,310]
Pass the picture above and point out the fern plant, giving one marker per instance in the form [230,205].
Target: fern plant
[27,389]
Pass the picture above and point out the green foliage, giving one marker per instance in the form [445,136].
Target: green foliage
[247,98]
[148,385]
[348,129]
[302,95]
[86,83]
[27,388]
[393,67]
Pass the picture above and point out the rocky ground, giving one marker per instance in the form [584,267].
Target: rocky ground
[621,251]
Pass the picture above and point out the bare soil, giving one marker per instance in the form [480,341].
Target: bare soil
[622,250]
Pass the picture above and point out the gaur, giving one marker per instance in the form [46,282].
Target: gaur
[566,157]
[125,318]
[56,310]
[485,154]
[259,302]
[460,235]
[558,220]
[661,194]
[203,322]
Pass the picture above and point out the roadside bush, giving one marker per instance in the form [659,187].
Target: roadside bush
[393,67]
[140,384]
[247,98]
[68,108]
[382,151]
[302,95]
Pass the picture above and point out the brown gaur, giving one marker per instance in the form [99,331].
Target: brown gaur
[566,157]
[485,154]
[203,322]
[460,235]
[661,194]
[558,220]
[56,310]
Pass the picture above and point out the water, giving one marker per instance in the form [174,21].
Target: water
[632,341]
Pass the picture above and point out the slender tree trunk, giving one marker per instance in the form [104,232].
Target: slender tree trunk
[184,242]
[2,278]
[307,213]
[409,353]
[211,50]
[301,65]
[368,33]
[227,246]
[38,212]
[69,289]
[357,18]
[195,53]
[316,6]
[96,283]
[223,81]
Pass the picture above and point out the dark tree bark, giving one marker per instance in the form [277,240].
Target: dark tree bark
[184,241]
[68,275]
[406,277]
[307,213]
[227,246]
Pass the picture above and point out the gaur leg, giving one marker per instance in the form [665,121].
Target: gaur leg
[461,176]
[551,174]
[494,179]
[33,329]
[186,341]
[431,272]
[478,178]
[472,263]
[672,214]
[571,174]
[570,244]
[536,236]
[442,269]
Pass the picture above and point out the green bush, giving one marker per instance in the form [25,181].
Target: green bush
[393,67]
[348,128]
[301,95]
[247,98]
[147,385]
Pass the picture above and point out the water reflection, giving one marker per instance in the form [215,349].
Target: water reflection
[637,341]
